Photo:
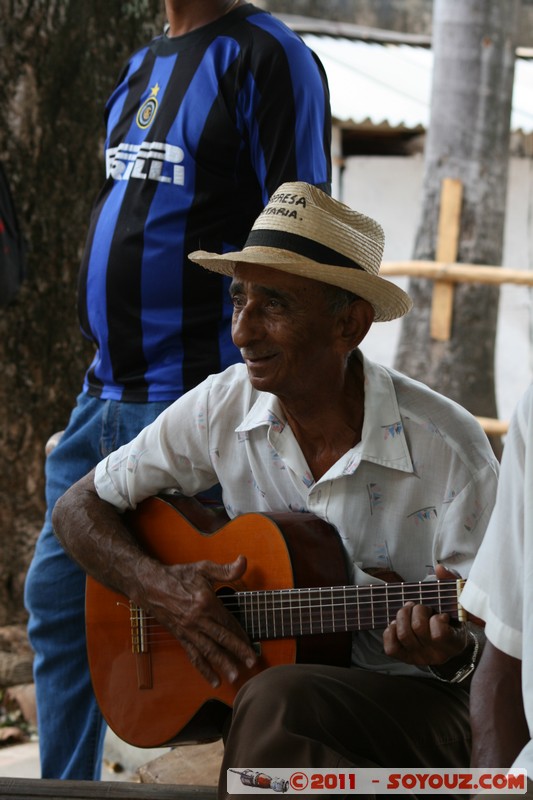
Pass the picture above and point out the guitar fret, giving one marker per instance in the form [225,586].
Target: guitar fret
[254,616]
[300,612]
[246,622]
[290,616]
[249,603]
[307,597]
[258,616]
[345,610]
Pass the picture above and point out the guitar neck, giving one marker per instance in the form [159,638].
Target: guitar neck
[283,613]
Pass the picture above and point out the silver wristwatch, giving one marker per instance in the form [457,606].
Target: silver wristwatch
[464,671]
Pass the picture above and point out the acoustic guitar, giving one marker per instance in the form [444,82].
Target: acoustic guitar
[294,601]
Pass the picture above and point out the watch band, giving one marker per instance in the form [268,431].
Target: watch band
[464,671]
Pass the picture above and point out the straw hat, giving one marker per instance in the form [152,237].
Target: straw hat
[306,232]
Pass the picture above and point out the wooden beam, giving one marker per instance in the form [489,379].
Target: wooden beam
[493,427]
[451,200]
[457,273]
[37,788]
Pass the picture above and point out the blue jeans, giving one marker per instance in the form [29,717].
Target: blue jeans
[71,728]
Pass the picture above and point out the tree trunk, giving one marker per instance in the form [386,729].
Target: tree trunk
[59,60]
[468,139]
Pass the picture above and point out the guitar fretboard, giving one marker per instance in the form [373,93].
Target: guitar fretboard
[282,613]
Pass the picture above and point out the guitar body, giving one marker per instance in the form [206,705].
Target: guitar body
[148,691]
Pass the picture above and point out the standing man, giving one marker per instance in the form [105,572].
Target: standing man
[204,123]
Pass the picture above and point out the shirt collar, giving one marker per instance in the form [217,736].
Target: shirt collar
[383,438]
[266,410]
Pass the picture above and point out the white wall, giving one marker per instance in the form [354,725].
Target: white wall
[390,189]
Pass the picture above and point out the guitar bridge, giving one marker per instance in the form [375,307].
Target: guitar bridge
[140,647]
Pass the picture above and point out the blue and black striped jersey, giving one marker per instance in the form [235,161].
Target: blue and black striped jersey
[201,129]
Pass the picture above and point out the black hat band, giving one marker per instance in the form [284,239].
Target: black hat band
[301,245]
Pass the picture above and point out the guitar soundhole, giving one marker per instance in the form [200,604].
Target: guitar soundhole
[227,595]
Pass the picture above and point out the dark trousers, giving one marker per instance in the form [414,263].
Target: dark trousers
[304,715]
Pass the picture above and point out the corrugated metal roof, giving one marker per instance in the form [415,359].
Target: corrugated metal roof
[390,84]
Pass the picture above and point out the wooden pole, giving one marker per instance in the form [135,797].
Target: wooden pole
[447,247]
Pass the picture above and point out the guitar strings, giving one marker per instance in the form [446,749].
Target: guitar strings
[293,597]
[274,601]
[263,630]
[278,613]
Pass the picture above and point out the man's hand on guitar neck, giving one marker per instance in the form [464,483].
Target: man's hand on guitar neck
[422,637]
[180,596]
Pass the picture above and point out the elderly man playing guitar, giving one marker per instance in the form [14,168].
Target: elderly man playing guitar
[310,429]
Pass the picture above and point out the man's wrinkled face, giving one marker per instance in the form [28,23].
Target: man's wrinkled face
[283,328]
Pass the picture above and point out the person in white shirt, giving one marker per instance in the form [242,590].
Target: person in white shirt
[500,592]
[308,424]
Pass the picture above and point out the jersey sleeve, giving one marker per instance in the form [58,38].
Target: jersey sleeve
[284,107]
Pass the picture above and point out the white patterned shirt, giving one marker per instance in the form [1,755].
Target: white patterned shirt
[417,490]
[500,586]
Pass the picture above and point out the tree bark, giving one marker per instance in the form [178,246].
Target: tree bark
[468,139]
[59,60]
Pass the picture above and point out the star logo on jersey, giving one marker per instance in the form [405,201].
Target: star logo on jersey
[148,110]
